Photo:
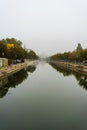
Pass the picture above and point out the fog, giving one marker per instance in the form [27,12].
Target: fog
[45,26]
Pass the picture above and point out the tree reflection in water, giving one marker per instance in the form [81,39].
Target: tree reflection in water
[14,80]
[31,69]
[82,79]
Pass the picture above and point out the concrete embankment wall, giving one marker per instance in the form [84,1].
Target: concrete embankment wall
[6,71]
[71,66]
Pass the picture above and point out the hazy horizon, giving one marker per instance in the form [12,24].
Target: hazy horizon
[48,26]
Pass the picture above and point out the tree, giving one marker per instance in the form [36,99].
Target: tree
[11,41]
[83,55]
[32,55]
[3,50]
[79,47]
[11,48]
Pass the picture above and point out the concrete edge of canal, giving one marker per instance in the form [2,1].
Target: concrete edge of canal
[8,70]
[79,68]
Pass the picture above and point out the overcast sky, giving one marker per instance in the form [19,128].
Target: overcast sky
[45,26]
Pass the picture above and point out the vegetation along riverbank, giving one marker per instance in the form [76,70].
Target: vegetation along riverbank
[15,51]
[75,60]
[14,56]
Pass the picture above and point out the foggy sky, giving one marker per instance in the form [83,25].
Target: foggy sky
[45,26]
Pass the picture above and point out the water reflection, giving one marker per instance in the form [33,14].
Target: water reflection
[31,69]
[82,79]
[14,80]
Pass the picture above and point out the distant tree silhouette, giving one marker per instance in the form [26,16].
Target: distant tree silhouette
[79,47]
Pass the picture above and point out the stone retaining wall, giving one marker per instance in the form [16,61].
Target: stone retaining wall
[71,66]
[5,71]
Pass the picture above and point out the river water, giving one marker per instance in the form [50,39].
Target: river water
[43,97]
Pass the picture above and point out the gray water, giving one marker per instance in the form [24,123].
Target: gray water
[43,98]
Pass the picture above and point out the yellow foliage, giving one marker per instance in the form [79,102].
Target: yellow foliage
[10,45]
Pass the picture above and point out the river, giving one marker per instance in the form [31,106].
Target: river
[43,97]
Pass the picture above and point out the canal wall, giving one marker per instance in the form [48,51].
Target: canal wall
[6,71]
[80,68]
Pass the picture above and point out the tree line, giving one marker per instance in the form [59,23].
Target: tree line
[12,49]
[78,55]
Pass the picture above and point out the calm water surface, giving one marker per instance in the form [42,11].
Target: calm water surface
[43,98]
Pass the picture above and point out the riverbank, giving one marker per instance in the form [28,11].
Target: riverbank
[6,71]
[80,68]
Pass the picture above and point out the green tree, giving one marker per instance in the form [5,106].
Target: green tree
[3,50]
[83,55]
[12,41]
[32,55]
[16,52]
[79,47]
